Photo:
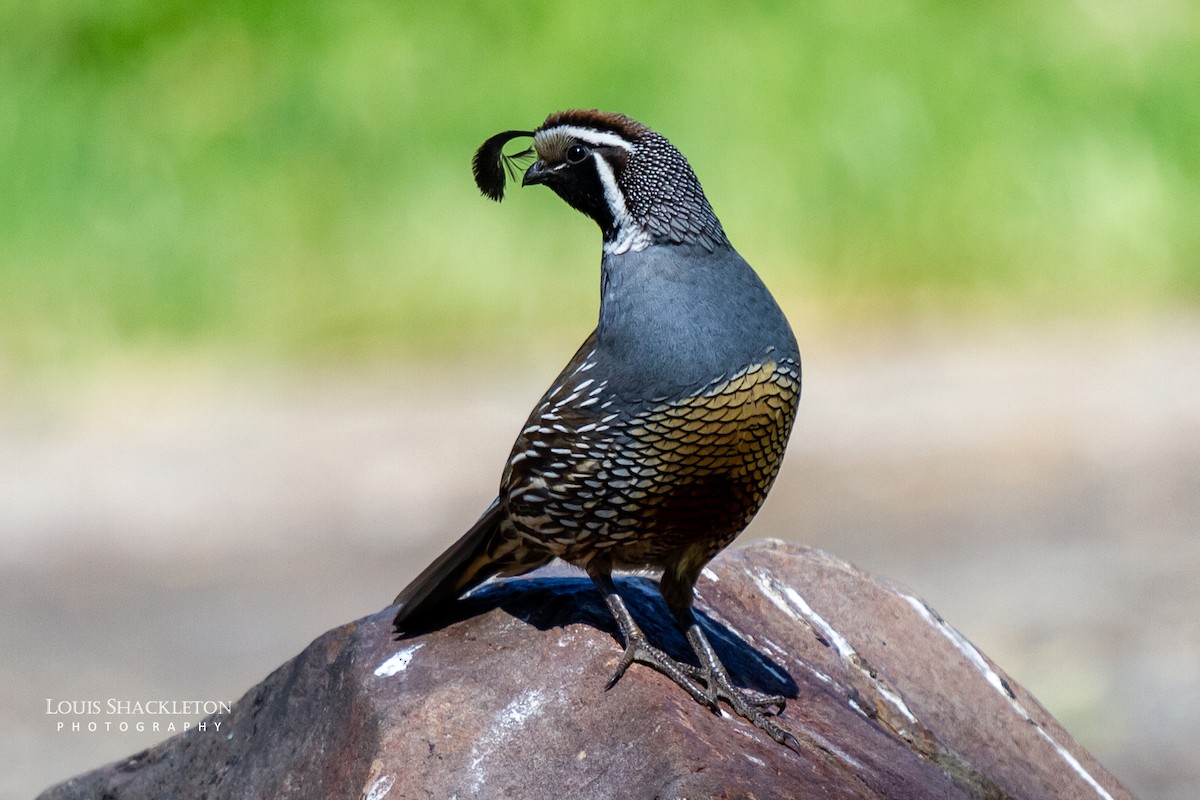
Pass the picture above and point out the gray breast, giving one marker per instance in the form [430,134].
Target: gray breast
[673,318]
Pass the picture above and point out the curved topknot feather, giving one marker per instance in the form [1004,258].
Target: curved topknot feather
[490,163]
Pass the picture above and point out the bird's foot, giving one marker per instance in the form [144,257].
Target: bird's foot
[638,649]
[759,709]
[708,686]
[751,706]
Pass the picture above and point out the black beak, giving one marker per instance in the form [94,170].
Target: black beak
[537,173]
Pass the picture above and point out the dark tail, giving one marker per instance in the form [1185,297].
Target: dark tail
[469,562]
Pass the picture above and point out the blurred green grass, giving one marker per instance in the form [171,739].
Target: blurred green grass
[291,179]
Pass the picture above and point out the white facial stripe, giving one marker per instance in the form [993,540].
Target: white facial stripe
[630,235]
[612,193]
[588,135]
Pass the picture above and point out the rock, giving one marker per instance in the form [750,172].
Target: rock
[889,702]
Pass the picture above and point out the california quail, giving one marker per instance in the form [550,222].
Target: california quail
[658,442]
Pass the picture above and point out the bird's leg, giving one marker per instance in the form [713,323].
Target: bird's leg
[750,705]
[677,591]
[713,672]
[639,649]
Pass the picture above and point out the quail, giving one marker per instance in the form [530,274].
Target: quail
[658,442]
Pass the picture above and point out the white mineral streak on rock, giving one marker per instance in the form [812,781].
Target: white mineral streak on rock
[993,678]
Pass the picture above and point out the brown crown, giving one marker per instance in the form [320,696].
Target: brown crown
[599,120]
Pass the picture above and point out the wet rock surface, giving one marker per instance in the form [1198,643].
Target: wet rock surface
[508,701]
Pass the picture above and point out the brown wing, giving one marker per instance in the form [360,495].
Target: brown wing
[569,425]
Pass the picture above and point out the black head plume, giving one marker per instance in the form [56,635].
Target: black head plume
[491,163]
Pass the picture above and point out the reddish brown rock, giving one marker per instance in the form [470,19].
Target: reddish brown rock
[889,702]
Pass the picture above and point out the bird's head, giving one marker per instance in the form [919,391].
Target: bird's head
[637,187]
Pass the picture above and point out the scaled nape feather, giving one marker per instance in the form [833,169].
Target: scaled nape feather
[491,163]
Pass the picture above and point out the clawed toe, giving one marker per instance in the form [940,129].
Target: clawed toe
[639,650]
[753,707]
[746,702]
[776,701]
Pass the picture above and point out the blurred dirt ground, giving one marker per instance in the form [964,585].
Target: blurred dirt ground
[178,534]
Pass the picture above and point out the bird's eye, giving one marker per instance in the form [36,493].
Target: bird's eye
[576,153]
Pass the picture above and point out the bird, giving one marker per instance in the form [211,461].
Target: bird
[658,442]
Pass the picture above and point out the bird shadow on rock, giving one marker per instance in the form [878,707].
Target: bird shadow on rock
[555,600]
